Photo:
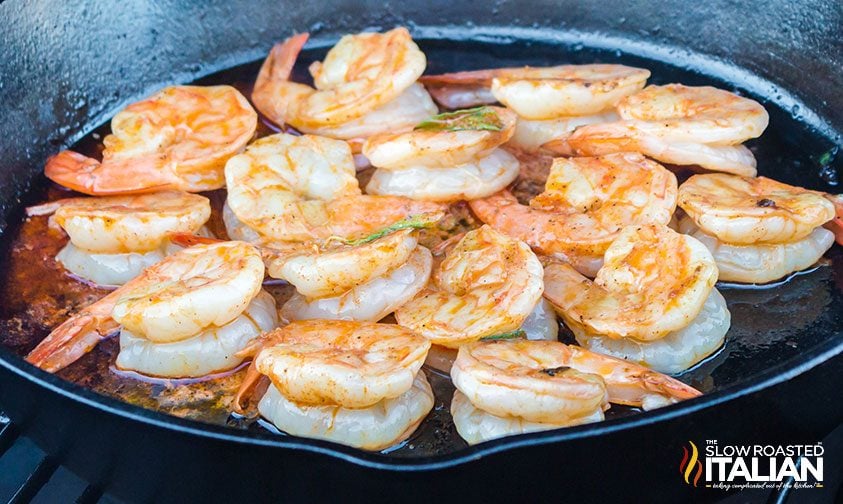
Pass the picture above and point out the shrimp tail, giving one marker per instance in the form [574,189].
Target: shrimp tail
[189,240]
[275,71]
[254,385]
[89,176]
[461,89]
[70,341]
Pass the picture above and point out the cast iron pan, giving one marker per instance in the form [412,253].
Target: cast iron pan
[67,68]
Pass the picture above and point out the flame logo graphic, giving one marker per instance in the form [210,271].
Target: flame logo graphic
[690,461]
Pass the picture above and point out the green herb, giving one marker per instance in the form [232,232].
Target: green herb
[827,157]
[420,221]
[518,333]
[555,371]
[473,119]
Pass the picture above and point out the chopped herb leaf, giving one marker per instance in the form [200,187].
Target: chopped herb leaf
[473,119]
[518,333]
[420,221]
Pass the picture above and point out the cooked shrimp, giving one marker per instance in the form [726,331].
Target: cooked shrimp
[212,350]
[695,114]
[299,188]
[361,74]
[680,125]
[550,92]
[653,281]
[341,363]
[180,138]
[375,427]
[744,211]
[371,300]
[674,353]
[476,179]
[550,382]
[586,203]
[487,284]
[762,262]
[446,141]
[199,287]
[117,224]
[476,426]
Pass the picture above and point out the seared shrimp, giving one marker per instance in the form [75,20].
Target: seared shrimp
[364,86]
[376,427]
[543,93]
[113,238]
[179,138]
[761,262]
[744,211]
[550,382]
[300,188]
[487,284]
[197,288]
[653,281]
[342,363]
[836,225]
[680,125]
[586,203]
[449,157]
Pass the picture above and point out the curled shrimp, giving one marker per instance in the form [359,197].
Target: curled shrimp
[115,224]
[542,93]
[551,382]
[449,143]
[487,284]
[744,210]
[653,281]
[179,138]
[175,299]
[836,225]
[761,263]
[301,188]
[365,85]
[680,125]
[586,203]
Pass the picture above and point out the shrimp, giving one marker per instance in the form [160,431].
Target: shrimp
[551,382]
[343,363]
[653,281]
[476,426]
[761,262]
[376,427]
[680,125]
[371,300]
[301,188]
[586,203]
[117,224]
[745,211]
[674,353]
[487,284]
[477,179]
[197,288]
[210,351]
[179,138]
[530,136]
[455,139]
[365,85]
[544,93]
[113,238]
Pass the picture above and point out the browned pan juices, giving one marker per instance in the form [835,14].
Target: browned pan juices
[37,294]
